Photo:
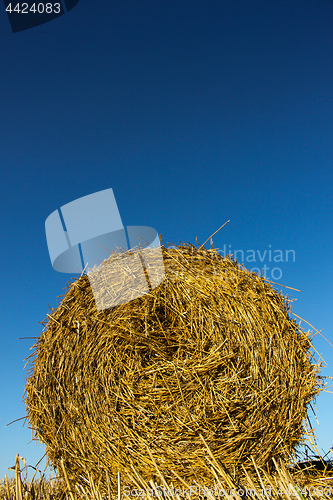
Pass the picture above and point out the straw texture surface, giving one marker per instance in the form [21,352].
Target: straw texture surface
[209,356]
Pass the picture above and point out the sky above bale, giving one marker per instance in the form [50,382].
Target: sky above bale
[194,113]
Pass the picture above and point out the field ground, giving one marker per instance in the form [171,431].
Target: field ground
[285,483]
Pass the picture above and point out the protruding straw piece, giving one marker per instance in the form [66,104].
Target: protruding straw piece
[214,234]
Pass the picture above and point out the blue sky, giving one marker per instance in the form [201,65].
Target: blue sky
[194,113]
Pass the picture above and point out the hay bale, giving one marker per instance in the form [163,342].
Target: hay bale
[211,353]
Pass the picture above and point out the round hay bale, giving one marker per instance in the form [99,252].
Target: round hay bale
[209,356]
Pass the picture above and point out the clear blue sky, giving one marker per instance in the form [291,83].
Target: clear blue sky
[194,113]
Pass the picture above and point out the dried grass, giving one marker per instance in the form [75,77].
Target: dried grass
[284,484]
[210,359]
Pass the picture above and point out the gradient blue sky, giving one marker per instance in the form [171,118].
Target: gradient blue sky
[194,113]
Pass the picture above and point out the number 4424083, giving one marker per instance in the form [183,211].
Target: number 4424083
[40,9]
